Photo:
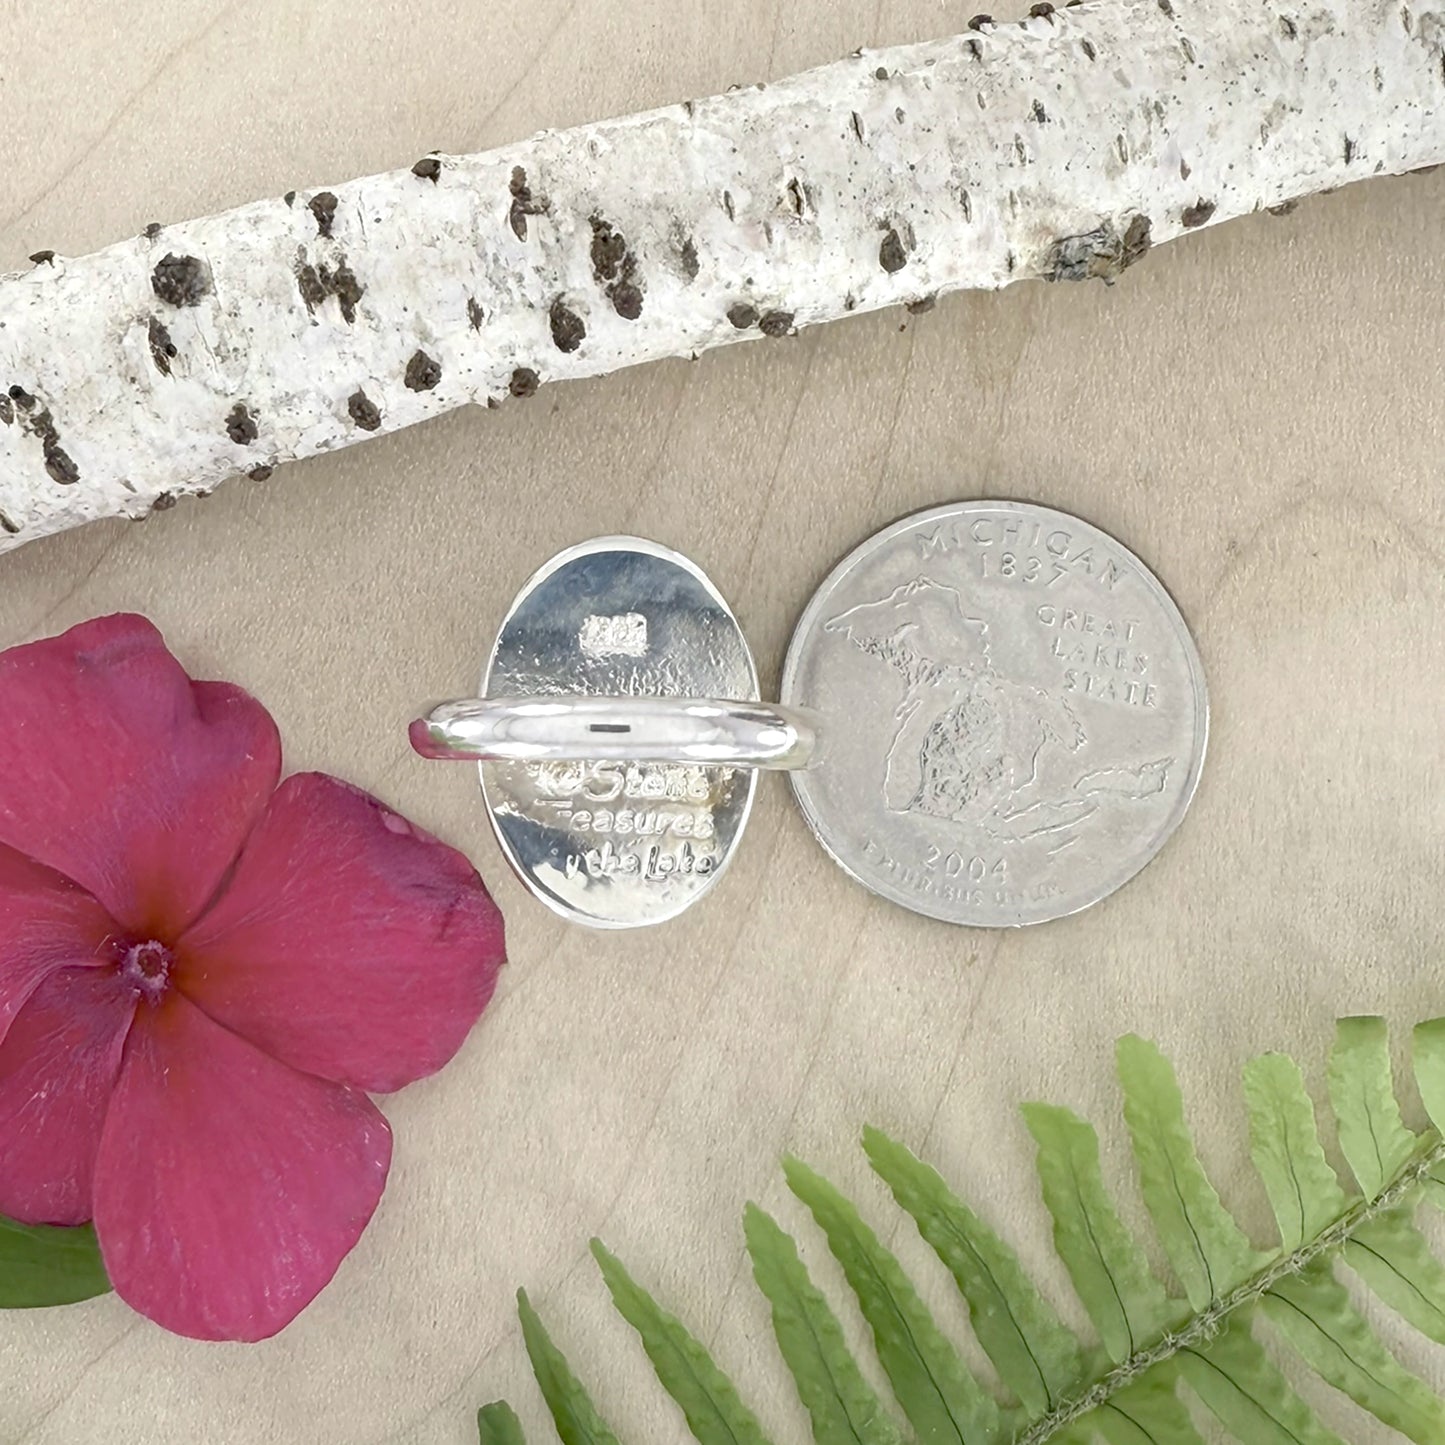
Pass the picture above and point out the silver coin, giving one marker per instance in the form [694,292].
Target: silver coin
[619,844]
[1013,714]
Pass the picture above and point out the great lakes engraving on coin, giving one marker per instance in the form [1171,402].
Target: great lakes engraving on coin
[619,844]
[1024,710]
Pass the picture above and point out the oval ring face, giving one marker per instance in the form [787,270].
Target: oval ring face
[1013,713]
[619,844]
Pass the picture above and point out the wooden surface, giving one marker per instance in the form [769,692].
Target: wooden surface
[1257,412]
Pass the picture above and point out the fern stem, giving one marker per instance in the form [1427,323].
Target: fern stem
[1204,1326]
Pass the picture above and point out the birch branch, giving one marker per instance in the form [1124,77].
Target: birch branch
[1064,147]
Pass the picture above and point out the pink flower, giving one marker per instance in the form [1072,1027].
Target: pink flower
[201,973]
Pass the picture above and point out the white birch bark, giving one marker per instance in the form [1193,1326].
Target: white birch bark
[1064,147]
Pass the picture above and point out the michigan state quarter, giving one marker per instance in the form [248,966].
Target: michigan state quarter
[1014,714]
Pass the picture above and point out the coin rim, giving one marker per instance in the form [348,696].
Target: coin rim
[591,548]
[806,628]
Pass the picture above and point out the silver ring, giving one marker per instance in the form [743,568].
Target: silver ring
[614,729]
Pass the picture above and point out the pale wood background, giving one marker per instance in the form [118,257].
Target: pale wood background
[1257,411]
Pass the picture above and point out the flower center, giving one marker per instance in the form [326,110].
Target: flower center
[146,967]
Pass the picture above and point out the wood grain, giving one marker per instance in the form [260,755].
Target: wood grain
[1254,413]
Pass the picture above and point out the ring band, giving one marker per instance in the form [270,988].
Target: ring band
[594,728]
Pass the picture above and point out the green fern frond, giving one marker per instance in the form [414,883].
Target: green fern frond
[1200,1332]
[1373,1137]
[1039,1361]
[573,1412]
[839,1400]
[934,1388]
[497,1424]
[710,1404]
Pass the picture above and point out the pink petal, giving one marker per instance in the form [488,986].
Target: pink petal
[229,1187]
[348,942]
[46,921]
[125,776]
[58,1066]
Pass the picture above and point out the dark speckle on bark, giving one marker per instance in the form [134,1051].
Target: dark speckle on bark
[1039,113]
[922,306]
[881,73]
[627,301]
[363,411]
[163,349]
[524,203]
[59,465]
[1101,254]
[41,425]
[308,282]
[152,231]
[524,382]
[346,288]
[241,425]
[568,329]
[428,168]
[475,314]
[892,255]
[1291,30]
[7,411]
[1136,239]
[260,474]
[9,524]
[163,503]
[616,269]
[979,21]
[1198,214]
[1167,8]
[1042,10]
[690,264]
[40,258]
[1284,208]
[609,251]
[1088,48]
[316,283]
[422,372]
[181,280]
[323,206]
[1350,149]
[776,323]
[743,316]
[289,198]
